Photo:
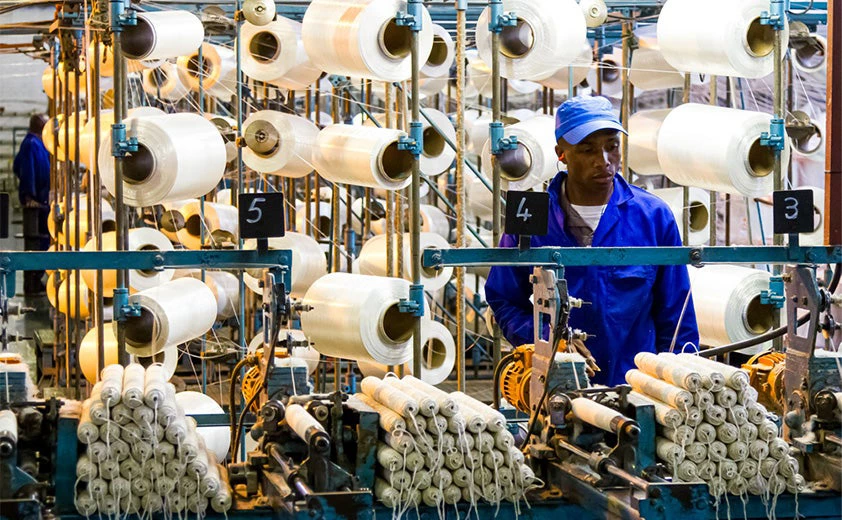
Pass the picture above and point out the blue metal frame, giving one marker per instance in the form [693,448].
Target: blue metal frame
[207,259]
[575,256]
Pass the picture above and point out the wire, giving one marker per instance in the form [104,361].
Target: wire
[232,407]
[240,423]
[805,11]
[772,334]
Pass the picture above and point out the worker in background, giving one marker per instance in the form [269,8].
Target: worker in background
[631,309]
[32,168]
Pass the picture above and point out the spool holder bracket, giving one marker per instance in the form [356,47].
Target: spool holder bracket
[499,19]
[120,16]
[412,18]
[122,308]
[499,144]
[776,16]
[414,142]
[414,305]
[121,145]
[774,138]
[775,295]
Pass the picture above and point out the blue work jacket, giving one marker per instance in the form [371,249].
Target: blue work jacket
[632,308]
[32,167]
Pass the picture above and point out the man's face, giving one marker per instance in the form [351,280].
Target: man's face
[595,160]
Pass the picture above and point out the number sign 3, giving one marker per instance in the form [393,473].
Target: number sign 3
[793,211]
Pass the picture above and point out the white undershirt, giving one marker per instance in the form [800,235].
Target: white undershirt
[590,214]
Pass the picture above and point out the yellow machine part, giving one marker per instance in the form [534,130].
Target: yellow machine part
[766,373]
[253,378]
[514,379]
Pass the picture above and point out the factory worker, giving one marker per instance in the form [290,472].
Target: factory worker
[631,308]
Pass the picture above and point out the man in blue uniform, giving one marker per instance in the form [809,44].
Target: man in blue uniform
[32,168]
[632,309]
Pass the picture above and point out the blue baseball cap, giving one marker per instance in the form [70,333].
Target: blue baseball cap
[581,116]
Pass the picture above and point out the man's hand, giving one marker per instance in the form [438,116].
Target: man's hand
[578,346]
[30,203]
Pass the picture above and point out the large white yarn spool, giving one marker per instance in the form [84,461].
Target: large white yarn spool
[479,199]
[727,302]
[478,75]
[650,71]
[377,214]
[48,136]
[308,262]
[162,34]
[47,82]
[548,35]
[172,313]
[811,59]
[140,239]
[581,64]
[88,356]
[275,53]
[644,127]
[361,38]
[321,225]
[533,161]
[259,12]
[164,82]
[437,155]
[87,143]
[431,86]
[224,286]
[218,72]
[609,68]
[373,259]
[442,54]
[699,212]
[357,317]
[726,38]
[813,145]
[718,149]
[106,61]
[307,354]
[60,303]
[64,68]
[438,355]
[221,220]
[279,144]
[363,156]
[179,156]
[434,220]
[67,131]
[217,438]
[67,231]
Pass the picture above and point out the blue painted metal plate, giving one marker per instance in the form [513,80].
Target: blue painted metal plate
[570,256]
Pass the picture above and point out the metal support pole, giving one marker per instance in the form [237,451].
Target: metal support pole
[779,171]
[714,101]
[685,193]
[95,196]
[390,195]
[833,163]
[119,207]
[415,200]
[496,185]
[627,95]
[461,7]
